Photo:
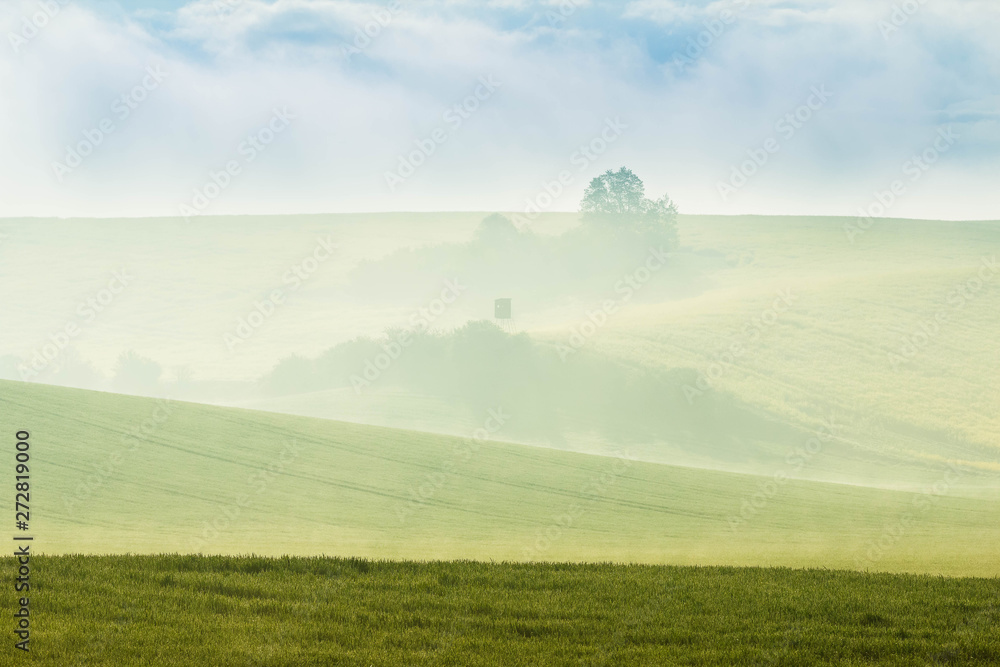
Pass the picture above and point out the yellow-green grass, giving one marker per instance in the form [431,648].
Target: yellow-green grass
[382,406]
[193,483]
[186,610]
[838,350]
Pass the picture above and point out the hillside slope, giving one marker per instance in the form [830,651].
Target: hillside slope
[887,334]
[114,474]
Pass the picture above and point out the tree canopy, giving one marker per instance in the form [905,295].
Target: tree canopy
[618,198]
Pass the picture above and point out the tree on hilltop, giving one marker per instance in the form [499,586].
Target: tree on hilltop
[617,200]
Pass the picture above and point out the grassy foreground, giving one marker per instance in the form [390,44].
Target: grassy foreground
[187,610]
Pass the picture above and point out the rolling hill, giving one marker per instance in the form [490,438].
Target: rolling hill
[116,474]
[888,336]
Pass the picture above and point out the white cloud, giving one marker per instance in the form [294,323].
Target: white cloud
[356,114]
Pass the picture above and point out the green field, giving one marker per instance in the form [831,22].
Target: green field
[187,610]
[219,480]
[903,410]
[882,473]
[832,354]
[853,345]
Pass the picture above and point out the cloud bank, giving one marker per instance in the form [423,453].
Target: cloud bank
[140,108]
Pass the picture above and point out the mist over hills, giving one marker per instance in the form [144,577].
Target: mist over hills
[657,373]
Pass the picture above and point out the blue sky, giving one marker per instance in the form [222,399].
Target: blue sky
[715,100]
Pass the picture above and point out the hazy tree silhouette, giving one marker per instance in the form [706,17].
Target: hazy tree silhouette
[614,193]
[617,200]
[135,374]
[72,370]
[496,229]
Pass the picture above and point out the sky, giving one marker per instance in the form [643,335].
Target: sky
[164,107]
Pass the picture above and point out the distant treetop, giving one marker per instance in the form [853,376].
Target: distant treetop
[618,199]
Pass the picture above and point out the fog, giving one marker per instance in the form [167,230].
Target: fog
[620,337]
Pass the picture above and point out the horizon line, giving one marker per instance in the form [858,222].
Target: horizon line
[471,212]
